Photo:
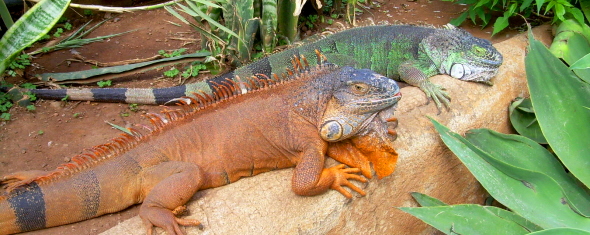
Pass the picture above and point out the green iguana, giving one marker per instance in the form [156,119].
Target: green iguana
[313,112]
[405,53]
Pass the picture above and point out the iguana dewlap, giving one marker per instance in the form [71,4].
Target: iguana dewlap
[281,122]
[406,53]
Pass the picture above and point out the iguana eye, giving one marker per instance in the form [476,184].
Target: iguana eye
[480,51]
[359,88]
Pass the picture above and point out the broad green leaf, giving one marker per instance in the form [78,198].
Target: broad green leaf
[561,231]
[425,200]
[459,20]
[511,216]
[519,189]
[582,63]
[509,149]
[31,26]
[561,102]
[501,23]
[465,219]
[585,6]
[524,121]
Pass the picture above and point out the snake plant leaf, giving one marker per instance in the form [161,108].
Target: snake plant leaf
[92,75]
[561,231]
[505,147]
[465,219]
[519,189]
[425,200]
[32,25]
[561,102]
[522,118]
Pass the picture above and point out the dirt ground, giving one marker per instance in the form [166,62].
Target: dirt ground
[57,130]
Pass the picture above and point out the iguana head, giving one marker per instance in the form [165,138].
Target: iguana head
[463,56]
[360,95]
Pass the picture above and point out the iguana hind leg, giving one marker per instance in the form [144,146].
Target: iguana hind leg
[169,185]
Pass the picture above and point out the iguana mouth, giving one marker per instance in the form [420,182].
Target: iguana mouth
[381,103]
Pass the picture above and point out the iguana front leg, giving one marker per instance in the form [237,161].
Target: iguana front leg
[412,75]
[311,178]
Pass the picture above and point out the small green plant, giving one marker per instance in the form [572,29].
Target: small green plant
[193,70]
[106,83]
[5,116]
[125,114]
[68,26]
[174,53]
[172,72]
[20,62]
[88,12]
[65,98]
[40,132]
[76,115]
[134,107]
[480,12]
[58,32]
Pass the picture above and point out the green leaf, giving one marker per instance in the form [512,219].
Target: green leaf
[522,190]
[524,121]
[525,4]
[561,231]
[88,74]
[582,63]
[459,20]
[425,200]
[561,102]
[30,27]
[539,5]
[465,219]
[500,24]
[510,148]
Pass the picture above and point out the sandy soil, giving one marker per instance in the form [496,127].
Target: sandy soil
[57,131]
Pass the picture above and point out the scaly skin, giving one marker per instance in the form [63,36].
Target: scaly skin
[405,53]
[309,113]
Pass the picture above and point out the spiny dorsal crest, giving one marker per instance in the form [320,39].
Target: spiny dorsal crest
[223,91]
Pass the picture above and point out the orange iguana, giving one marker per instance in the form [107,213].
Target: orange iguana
[209,142]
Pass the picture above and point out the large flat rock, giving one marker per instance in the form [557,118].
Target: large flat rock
[265,203]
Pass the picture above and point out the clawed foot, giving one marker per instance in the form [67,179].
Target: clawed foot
[11,182]
[436,93]
[341,178]
[165,219]
[391,124]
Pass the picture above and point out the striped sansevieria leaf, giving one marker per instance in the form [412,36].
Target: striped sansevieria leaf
[35,23]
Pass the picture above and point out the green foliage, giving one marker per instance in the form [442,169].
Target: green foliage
[172,72]
[547,192]
[480,12]
[76,38]
[231,27]
[88,12]
[20,62]
[174,53]
[106,83]
[30,27]
[193,70]
[133,107]
[7,100]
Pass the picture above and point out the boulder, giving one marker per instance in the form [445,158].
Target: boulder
[265,203]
